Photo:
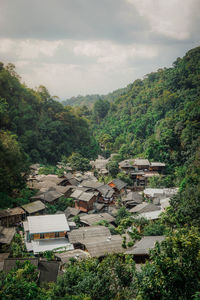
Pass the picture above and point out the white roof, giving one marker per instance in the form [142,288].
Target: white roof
[47,223]
[153,192]
[50,245]
[165,203]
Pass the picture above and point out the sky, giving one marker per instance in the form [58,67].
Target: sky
[80,47]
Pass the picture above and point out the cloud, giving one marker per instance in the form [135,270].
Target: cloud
[94,46]
[171,18]
[115,20]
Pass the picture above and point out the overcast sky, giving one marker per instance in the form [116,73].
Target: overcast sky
[94,46]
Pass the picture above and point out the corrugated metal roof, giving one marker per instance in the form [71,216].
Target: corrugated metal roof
[11,212]
[7,234]
[83,233]
[34,206]
[92,219]
[141,162]
[47,223]
[157,164]
[86,196]
[77,254]
[105,245]
[151,215]
[144,207]
[119,184]
[91,184]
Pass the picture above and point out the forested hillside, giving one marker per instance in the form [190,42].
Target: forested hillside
[36,128]
[89,100]
[158,118]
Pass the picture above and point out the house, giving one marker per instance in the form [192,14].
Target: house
[71,212]
[100,163]
[150,215]
[46,233]
[36,207]
[69,180]
[141,248]
[126,165]
[106,194]
[93,219]
[141,164]
[49,196]
[78,236]
[101,246]
[6,235]
[77,254]
[91,184]
[65,190]
[144,207]
[156,166]
[132,199]
[11,216]
[152,193]
[118,185]
[84,201]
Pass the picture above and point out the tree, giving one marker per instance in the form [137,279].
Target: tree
[113,168]
[79,163]
[21,283]
[174,271]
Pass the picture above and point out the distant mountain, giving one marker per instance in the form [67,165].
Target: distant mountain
[89,100]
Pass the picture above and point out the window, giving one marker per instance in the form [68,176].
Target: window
[41,235]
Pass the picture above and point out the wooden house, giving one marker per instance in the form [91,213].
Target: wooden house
[156,166]
[118,185]
[140,250]
[34,208]
[11,216]
[141,164]
[85,201]
[106,194]
[126,165]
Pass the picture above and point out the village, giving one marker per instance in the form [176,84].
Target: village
[90,226]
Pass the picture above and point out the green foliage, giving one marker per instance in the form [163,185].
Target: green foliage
[125,178]
[110,278]
[17,247]
[61,204]
[12,163]
[77,220]
[174,271]
[21,283]
[154,228]
[49,255]
[121,214]
[112,168]
[78,162]
[161,181]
